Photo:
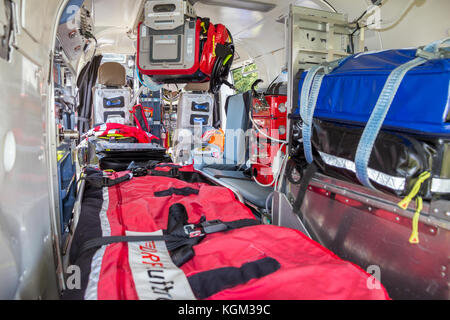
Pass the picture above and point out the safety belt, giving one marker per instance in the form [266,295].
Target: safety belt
[179,237]
[191,231]
[98,180]
[308,101]
[382,107]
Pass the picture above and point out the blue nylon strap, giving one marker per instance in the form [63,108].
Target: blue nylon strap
[308,100]
[433,47]
[309,89]
[376,120]
[308,122]
[306,88]
[380,111]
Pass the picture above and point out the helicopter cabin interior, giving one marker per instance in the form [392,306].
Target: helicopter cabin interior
[225,150]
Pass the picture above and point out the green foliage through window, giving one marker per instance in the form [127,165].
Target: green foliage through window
[243,77]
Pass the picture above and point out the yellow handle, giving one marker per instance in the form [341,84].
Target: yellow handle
[203,26]
[415,190]
[414,238]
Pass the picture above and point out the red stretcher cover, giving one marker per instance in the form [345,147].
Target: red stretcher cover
[261,262]
[126,131]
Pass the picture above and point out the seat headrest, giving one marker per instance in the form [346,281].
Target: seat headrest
[112,74]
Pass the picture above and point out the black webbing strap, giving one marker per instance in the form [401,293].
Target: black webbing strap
[190,237]
[172,173]
[305,181]
[177,191]
[100,181]
[240,224]
[104,241]
[186,176]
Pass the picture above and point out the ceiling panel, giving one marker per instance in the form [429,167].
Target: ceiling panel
[116,13]
[258,31]
[234,19]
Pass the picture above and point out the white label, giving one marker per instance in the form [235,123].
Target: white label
[144,31]
[155,275]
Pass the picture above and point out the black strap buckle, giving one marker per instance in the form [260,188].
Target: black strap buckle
[203,228]
[139,172]
[105,181]
[213,226]
[174,172]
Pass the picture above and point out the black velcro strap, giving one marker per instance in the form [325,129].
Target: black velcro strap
[172,173]
[205,284]
[112,183]
[182,255]
[242,223]
[96,182]
[186,176]
[179,192]
[215,226]
[100,181]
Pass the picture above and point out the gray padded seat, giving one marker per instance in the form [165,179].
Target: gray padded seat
[236,153]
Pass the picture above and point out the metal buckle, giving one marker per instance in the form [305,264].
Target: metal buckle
[192,232]
[426,54]
[329,67]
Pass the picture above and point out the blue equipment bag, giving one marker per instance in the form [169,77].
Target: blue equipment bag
[404,92]
[422,103]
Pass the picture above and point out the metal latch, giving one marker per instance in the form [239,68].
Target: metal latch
[68,134]
[192,231]
[441,53]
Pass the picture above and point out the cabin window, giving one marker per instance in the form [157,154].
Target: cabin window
[244,77]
